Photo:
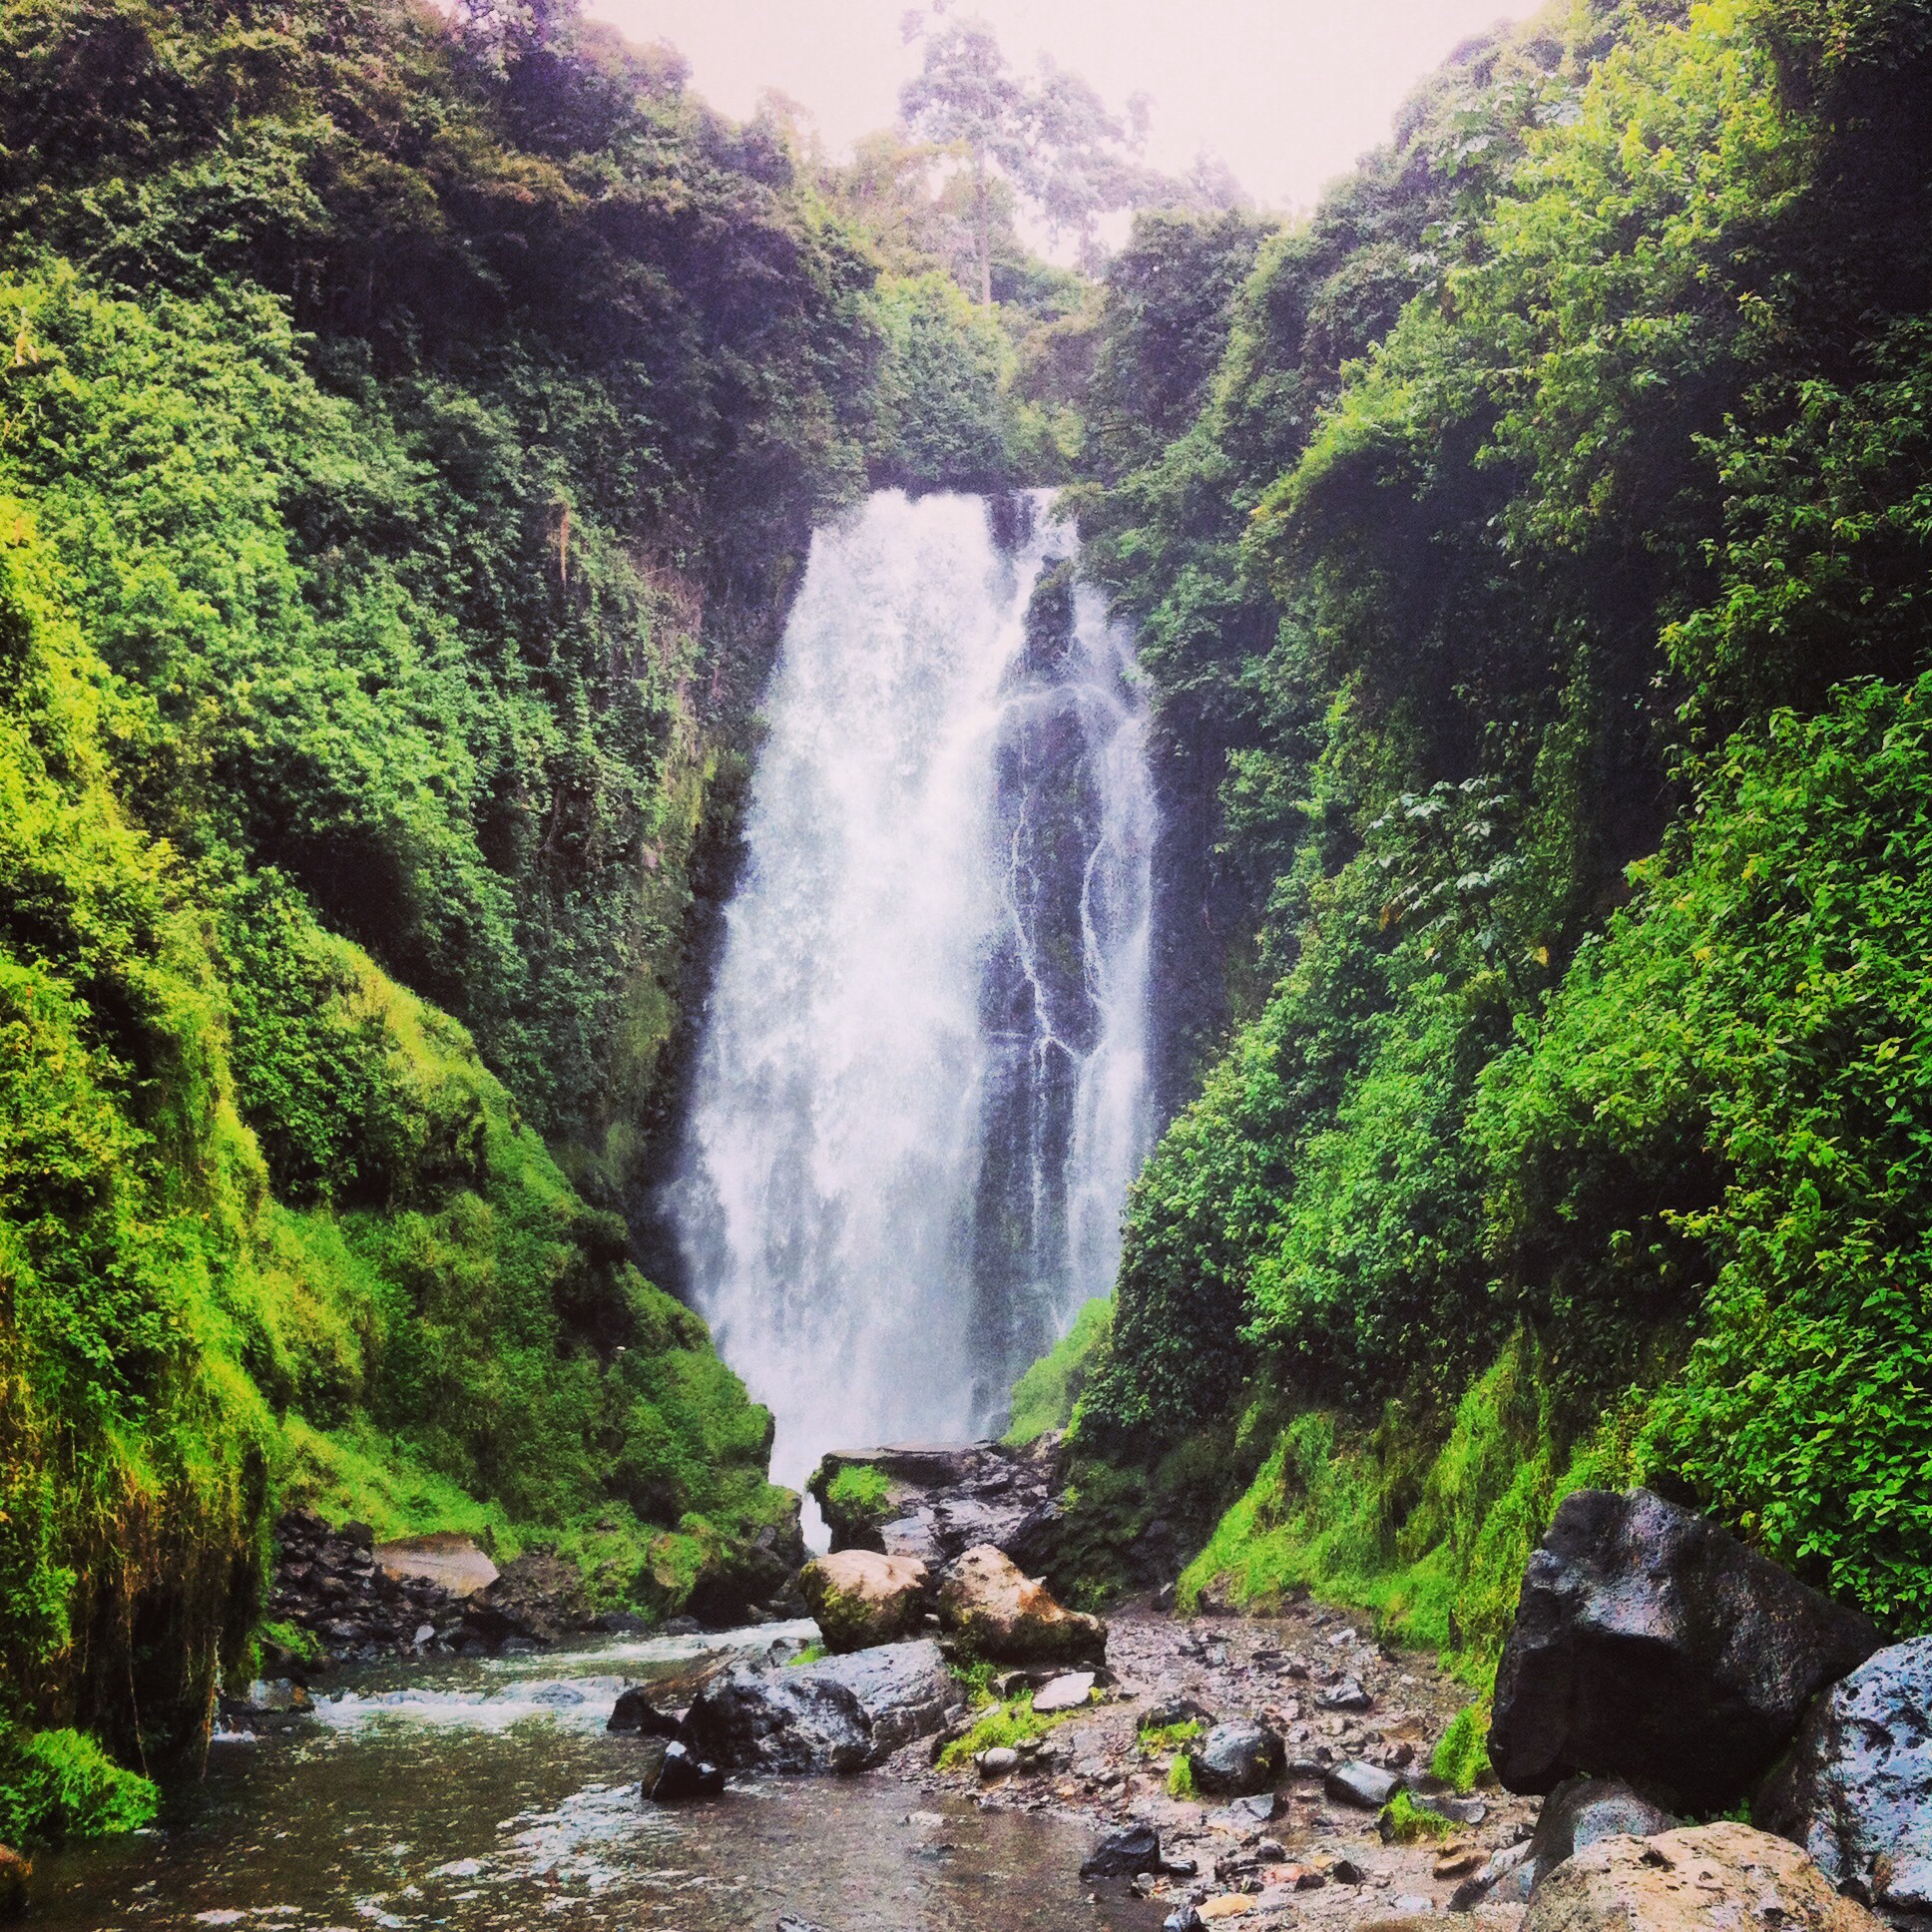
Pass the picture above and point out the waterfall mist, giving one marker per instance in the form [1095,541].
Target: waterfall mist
[921,1088]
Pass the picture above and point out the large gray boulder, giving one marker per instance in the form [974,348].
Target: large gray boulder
[846,1713]
[1649,1645]
[1855,1789]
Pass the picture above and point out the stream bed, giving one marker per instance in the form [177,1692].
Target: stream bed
[485,1795]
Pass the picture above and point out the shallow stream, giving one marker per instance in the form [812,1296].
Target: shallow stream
[487,1794]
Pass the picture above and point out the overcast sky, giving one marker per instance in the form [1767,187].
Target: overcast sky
[1289,91]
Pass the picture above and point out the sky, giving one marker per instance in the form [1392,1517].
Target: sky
[1288,92]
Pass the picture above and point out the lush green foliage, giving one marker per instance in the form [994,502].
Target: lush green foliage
[57,1784]
[411,426]
[1044,1397]
[1534,604]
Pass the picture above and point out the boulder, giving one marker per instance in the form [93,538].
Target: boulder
[672,1772]
[1233,1759]
[861,1599]
[843,1715]
[1583,1810]
[1506,1875]
[634,1710]
[997,1612]
[1366,1785]
[1855,1788]
[1649,1645]
[453,1562]
[1708,1878]
[1346,1693]
[15,1872]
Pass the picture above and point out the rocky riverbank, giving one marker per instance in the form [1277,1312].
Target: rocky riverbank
[1282,1771]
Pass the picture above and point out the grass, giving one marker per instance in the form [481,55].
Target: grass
[1166,1737]
[1045,1395]
[1462,1757]
[1330,1512]
[811,1653]
[1002,1728]
[59,1784]
[858,1488]
[1404,1823]
[1180,1777]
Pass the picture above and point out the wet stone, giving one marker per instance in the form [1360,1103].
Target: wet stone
[1358,1784]
[1237,1759]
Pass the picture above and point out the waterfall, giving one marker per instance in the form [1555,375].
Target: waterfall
[920,1090]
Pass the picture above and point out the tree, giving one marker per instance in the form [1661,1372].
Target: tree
[966,98]
[1050,139]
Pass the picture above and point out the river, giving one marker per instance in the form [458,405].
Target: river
[485,1795]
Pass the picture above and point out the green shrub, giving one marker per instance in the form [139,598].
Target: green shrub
[60,1785]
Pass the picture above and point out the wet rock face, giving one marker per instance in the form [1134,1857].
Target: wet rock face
[329,1583]
[844,1715]
[942,1501]
[1711,1879]
[1855,1789]
[861,1599]
[1649,1645]
[1233,1759]
[997,1612]
[1582,1811]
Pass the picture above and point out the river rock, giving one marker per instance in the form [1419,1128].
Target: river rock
[843,1715]
[1234,1759]
[861,1599]
[1355,1783]
[15,1872]
[635,1711]
[997,1612]
[1708,1878]
[329,1583]
[1124,1853]
[1344,1694]
[1855,1788]
[1069,1692]
[673,1772]
[1649,1645]
[1583,1810]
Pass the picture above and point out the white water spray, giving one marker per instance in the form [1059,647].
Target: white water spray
[921,1090]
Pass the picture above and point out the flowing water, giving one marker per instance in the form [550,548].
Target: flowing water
[921,1091]
[486,1797]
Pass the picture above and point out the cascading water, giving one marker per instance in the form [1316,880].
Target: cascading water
[921,1090]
